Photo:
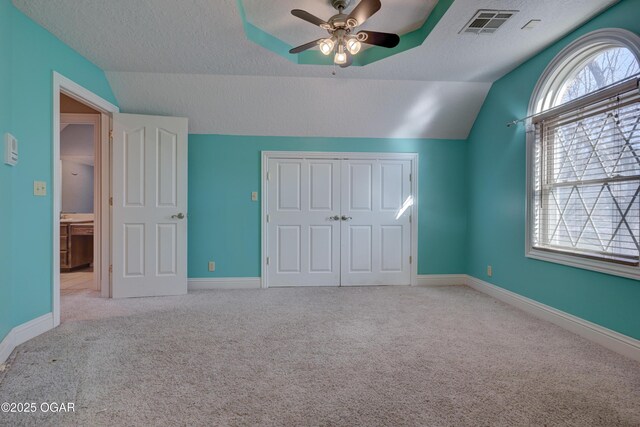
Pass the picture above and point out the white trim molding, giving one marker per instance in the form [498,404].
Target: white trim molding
[615,341]
[23,333]
[441,280]
[68,87]
[211,283]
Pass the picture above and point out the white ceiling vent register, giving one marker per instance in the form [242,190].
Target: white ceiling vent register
[487,21]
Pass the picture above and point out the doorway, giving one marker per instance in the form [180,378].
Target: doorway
[80,184]
[339,219]
[81,191]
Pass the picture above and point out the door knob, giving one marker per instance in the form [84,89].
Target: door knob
[334,218]
[179,216]
[346,218]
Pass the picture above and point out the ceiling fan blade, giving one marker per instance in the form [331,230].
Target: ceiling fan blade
[365,10]
[306,16]
[305,46]
[376,38]
[349,60]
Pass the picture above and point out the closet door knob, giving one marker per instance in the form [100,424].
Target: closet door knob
[179,216]
[346,218]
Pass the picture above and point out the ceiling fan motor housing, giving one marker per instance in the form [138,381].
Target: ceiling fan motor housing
[340,4]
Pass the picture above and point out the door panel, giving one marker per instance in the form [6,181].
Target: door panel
[304,240]
[370,243]
[149,191]
[378,243]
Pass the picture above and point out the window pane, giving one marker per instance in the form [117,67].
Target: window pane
[603,69]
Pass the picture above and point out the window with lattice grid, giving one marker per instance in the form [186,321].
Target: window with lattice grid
[586,194]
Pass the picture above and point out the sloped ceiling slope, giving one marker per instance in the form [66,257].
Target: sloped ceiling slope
[192,58]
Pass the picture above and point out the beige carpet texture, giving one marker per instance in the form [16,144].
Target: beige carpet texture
[380,356]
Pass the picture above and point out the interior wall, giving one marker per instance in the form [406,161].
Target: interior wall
[26,81]
[6,172]
[224,224]
[497,192]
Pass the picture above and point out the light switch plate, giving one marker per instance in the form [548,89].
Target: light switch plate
[212,266]
[39,188]
[254,196]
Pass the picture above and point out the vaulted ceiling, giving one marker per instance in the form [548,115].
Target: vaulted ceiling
[193,58]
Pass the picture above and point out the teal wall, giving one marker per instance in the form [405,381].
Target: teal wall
[27,87]
[224,224]
[497,191]
[5,171]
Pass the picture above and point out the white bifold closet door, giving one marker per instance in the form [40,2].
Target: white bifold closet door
[376,242]
[149,206]
[336,222]
[303,223]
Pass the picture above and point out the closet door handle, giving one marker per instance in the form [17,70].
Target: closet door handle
[346,218]
[334,218]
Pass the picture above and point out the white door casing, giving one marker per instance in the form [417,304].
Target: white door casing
[375,245]
[149,206]
[303,224]
[376,242]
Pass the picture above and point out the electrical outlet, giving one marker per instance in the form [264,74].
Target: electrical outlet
[489,271]
[254,196]
[39,188]
[212,266]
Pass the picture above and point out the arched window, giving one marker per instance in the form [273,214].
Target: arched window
[584,156]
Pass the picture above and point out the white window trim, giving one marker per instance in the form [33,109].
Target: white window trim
[553,75]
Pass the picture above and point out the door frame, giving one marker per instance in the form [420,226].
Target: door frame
[267,155]
[62,84]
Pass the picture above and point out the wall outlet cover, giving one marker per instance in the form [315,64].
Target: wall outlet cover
[254,196]
[212,266]
[39,188]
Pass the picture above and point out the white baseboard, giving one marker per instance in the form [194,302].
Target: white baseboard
[622,344]
[441,279]
[224,283]
[23,333]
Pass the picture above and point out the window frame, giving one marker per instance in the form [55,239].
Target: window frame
[552,79]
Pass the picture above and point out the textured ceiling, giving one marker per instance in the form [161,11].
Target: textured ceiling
[207,37]
[241,105]
[192,58]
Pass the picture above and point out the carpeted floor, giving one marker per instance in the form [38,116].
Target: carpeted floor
[444,356]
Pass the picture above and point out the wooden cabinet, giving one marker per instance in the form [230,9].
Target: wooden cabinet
[76,245]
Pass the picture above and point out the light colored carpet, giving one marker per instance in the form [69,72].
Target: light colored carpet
[350,356]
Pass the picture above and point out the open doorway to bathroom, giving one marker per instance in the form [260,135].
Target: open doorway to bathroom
[80,135]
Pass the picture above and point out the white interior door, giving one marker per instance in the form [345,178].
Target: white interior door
[376,236]
[338,222]
[149,206]
[303,222]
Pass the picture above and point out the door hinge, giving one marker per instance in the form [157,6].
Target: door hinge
[268,176]
[410,177]
[267,260]
[410,219]
[268,218]
[410,259]
[110,201]
[111,134]
[110,268]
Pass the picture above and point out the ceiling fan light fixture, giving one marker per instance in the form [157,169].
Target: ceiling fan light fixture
[353,45]
[341,56]
[326,46]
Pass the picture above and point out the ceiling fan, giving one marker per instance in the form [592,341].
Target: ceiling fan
[342,41]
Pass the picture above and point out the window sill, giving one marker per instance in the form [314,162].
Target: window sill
[629,272]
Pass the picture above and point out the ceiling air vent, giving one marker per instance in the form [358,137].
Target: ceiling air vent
[487,21]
